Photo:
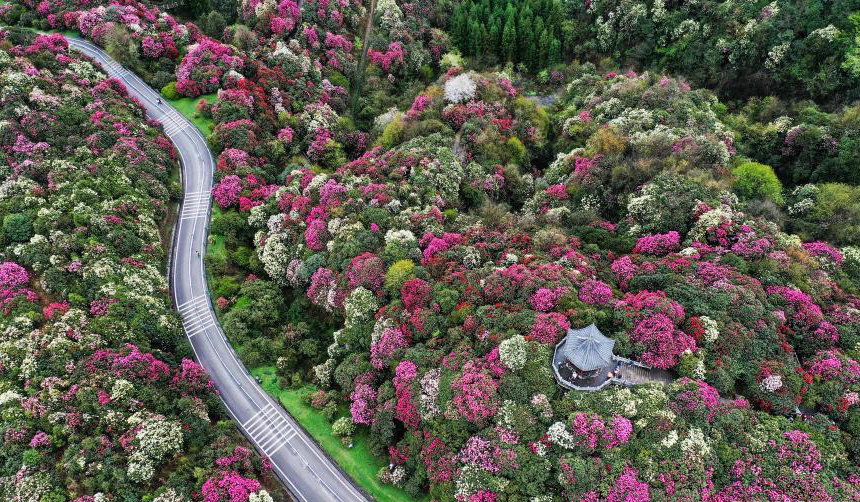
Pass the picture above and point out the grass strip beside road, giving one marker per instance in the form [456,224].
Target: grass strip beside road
[188,108]
[358,462]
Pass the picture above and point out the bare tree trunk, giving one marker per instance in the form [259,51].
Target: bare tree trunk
[358,81]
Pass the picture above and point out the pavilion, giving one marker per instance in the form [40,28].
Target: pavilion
[584,358]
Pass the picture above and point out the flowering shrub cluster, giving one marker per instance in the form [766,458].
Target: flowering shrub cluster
[151,38]
[98,396]
[633,119]
[204,67]
[449,314]
[415,247]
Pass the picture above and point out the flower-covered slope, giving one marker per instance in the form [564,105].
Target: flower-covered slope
[450,309]
[98,397]
[415,248]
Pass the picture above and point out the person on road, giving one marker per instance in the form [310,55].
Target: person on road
[159,101]
[198,254]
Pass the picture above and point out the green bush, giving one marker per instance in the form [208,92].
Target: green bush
[161,79]
[757,181]
[831,213]
[213,24]
[169,91]
[13,15]
[18,227]
[338,78]
[425,72]
[517,150]
[392,135]
[397,274]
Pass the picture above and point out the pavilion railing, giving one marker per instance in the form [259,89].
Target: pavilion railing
[615,379]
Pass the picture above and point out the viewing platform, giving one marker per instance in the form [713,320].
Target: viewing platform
[584,361]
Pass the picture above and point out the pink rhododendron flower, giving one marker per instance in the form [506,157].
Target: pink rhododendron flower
[823,249]
[659,244]
[594,292]
[628,488]
[475,394]
[548,328]
[228,486]
[12,275]
[226,192]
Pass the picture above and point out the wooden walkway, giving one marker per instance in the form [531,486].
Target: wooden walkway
[626,372]
[632,373]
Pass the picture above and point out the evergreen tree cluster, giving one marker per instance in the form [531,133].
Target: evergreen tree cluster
[520,31]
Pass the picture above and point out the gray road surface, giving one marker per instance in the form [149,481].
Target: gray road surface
[304,469]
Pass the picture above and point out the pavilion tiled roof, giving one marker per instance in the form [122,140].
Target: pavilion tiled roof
[587,348]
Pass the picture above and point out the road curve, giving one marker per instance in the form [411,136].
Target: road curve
[308,474]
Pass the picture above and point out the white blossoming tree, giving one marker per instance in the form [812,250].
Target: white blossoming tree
[512,352]
[460,89]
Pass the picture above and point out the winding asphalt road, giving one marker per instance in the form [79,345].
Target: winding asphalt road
[308,474]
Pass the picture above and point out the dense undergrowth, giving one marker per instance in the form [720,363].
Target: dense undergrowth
[99,399]
[683,176]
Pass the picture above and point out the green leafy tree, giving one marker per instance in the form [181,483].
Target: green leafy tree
[227,8]
[197,7]
[554,56]
[757,181]
[525,28]
[121,46]
[509,40]
[214,24]
[17,227]
[169,91]
[852,57]
[495,36]
[545,43]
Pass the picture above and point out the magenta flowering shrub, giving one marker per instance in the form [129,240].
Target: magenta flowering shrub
[696,401]
[363,400]
[822,249]
[590,432]
[155,33]
[544,299]
[428,362]
[421,371]
[415,293]
[382,350]
[405,410]
[106,375]
[366,270]
[12,279]
[226,192]
[834,379]
[624,270]
[231,160]
[655,320]
[475,394]
[548,328]
[322,282]
[419,105]
[595,292]
[628,487]
[832,365]
[316,235]
[479,452]
[205,66]
[795,454]
[229,486]
[659,244]
[394,54]
[805,319]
